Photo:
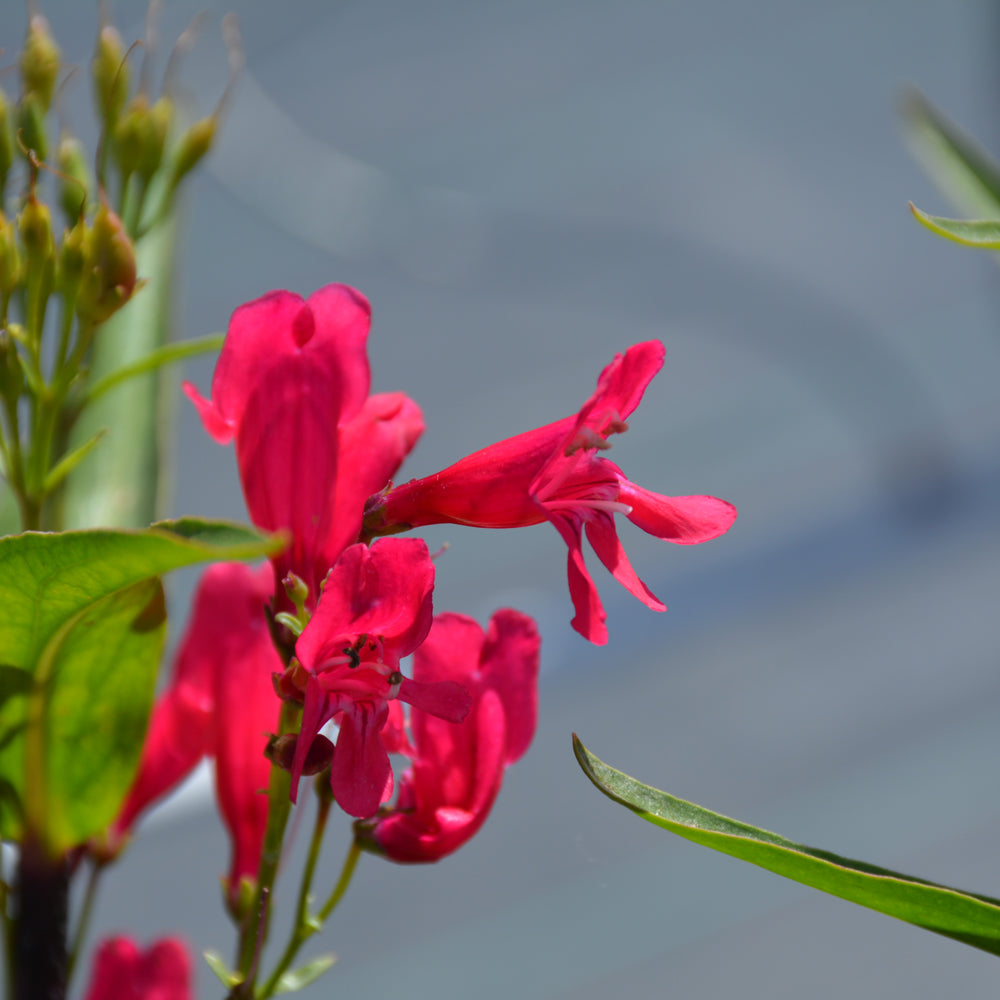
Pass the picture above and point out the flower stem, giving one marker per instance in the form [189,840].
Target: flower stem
[83,920]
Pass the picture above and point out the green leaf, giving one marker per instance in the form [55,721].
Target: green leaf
[967,917]
[81,635]
[218,965]
[981,233]
[299,979]
[956,162]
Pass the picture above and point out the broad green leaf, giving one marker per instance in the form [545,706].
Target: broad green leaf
[967,917]
[299,979]
[956,162]
[981,233]
[81,636]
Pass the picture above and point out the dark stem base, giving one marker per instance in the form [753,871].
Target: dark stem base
[40,955]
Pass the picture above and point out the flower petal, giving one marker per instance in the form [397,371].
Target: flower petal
[603,537]
[683,520]
[361,775]
[590,615]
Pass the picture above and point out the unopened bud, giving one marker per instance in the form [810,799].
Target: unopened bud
[31,124]
[11,373]
[154,137]
[72,258]
[193,145]
[109,278]
[110,74]
[6,141]
[10,262]
[40,62]
[75,183]
[291,685]
[34,225]
[130,134]
[280,751]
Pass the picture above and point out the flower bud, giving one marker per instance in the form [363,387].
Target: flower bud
[193,145]
[72,257]
[280,751]
[31,124]
[10,262]
[130,134]
[40,62]
[109,279]
[110,75]
[34,226]
[6,141]
[154,137]
[11,373]
[73,187]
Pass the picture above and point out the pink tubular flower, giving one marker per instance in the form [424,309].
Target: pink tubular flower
[446,796]
[221,703]
[291,386]
[375,609]
[555,474]
[122,972]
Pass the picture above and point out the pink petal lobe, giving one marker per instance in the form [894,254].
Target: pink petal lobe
[683,520]
[446,700]
[361,770]
[590,616]
[342,317]
[217,427]
[315,714]
[603,537]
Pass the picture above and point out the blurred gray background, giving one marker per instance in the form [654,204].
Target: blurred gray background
[523,189]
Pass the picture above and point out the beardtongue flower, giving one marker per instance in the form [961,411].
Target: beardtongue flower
[220,703]
[291,387]
[123,972]
[447,794]
[555,474]
[375,608]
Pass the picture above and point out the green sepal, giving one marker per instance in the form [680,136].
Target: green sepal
[218,965]
[968,917]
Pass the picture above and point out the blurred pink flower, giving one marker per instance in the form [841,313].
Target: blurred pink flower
[122,972]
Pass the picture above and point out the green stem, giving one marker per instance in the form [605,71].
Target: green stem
[253,933]
[303,927]
[83,920]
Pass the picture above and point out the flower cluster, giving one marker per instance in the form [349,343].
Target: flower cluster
[330,629]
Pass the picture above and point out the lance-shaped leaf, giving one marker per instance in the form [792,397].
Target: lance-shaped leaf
[960,167]
[968,917]
[981,233]
[81,635]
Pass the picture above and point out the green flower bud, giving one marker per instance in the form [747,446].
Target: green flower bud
[34,226]
[154,139]
[73,257]
[31,124]
[109,276]
[40,62]
[11,372]
[10,262]
[110,75]
[6,141]
[130,134]
[193,145]
[74,186]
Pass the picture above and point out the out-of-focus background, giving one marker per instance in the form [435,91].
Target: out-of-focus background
[523,189]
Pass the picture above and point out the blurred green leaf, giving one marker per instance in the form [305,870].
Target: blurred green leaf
[218,965]
[959,166]
[981,233]
[299,979]
[84,622]
[968,917]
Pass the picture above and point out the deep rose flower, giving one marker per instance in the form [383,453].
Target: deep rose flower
[122,972]
[375,609]
[555,474]
[447,794]
[291,386]
[221,703]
